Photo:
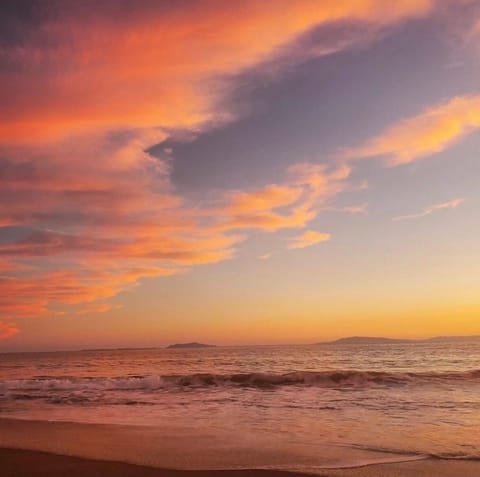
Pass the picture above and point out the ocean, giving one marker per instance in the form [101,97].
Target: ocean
[298,407]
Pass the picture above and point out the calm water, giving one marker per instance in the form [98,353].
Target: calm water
[318,406]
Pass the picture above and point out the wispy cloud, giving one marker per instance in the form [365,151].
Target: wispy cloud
[269,197]
[308,189]
[474,32]
[351,209]
[451,204]
[307,239]
[420,136]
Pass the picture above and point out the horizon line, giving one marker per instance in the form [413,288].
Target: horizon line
[165,347]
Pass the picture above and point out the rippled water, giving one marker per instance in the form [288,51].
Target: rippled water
[327,405]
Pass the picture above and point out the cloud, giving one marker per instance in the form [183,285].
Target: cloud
[351,209]
[451,204]
[148,64]
[475,31]
[7,330]
[430,132]
[270,197]
[309,188]
[265,256]
[97,308]
[469,26]
[33,295]
[109,215]
[86,92]
[307,239]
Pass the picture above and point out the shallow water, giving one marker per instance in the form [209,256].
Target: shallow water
[318,406]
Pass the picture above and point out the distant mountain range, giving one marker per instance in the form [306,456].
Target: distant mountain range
[189,345]
[454,338]
[371,340]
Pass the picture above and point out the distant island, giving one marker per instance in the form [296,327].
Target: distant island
[189,345]
[372,340]
[366,340]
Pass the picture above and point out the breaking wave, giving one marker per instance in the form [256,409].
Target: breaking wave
[411,455]
[325,379]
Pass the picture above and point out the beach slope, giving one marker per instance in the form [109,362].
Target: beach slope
[26,463]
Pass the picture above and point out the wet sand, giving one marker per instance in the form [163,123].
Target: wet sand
[26,463]
[420,468]
[63,449]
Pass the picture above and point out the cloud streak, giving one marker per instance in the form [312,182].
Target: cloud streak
[293,205]
[451,204]
[423,135]
[307,239]
[351,209]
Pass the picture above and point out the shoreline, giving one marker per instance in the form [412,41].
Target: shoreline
[18,462]
[33,463]
[64,449]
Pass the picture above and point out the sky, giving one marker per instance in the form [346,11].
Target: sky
[261,172]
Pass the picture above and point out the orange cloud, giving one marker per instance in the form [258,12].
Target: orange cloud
[470,27]
[270,197]
[420,136]
[451,204]
[476,29]
[152,64]
[85,93]
[96,308]
[309,188]
[33,296]
[111,222]
[307,239]
[109,244]
[7,330]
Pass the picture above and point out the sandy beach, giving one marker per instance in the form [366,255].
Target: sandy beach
[27,463]
[239,238]
[62,449]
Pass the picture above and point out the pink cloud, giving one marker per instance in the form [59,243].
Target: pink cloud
[153,65]
[85,97]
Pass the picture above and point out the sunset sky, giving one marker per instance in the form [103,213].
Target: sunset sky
[263,171]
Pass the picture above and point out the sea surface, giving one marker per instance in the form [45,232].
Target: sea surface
[288,407]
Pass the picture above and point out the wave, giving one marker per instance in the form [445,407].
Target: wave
[416,455]
[325,379]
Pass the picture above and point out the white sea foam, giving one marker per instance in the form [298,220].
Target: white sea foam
[329,379]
